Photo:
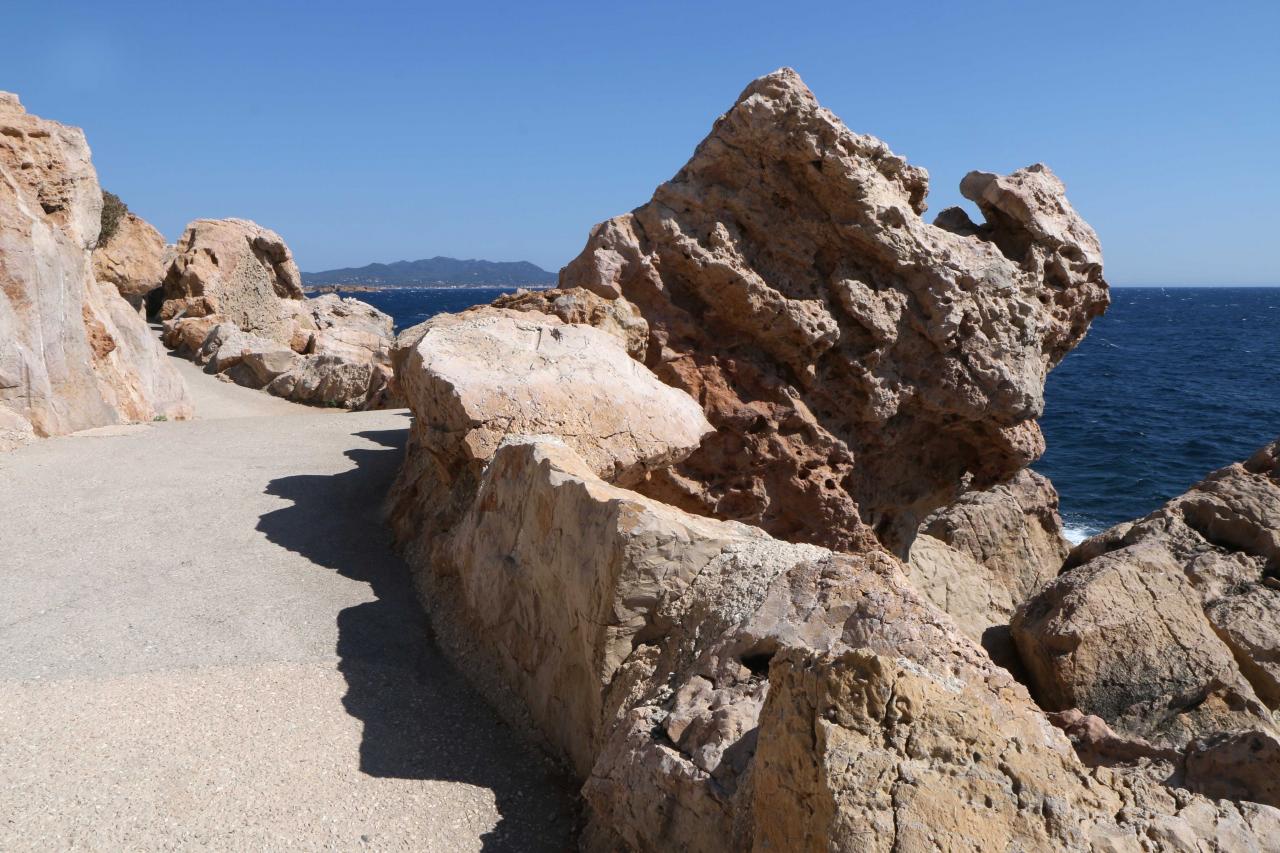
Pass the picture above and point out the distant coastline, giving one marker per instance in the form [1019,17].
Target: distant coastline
[380,288]
[431,273]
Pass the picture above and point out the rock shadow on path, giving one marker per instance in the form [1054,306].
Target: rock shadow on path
[421,719]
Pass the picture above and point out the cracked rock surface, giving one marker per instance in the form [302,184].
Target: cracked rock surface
[623,540]
[1167,627]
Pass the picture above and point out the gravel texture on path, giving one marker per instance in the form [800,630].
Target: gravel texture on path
[207,643]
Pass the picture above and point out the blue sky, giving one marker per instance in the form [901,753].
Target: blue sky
[380,131]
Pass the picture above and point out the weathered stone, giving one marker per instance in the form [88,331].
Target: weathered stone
[227,345]
[1167,627]
[329,380]
[1249,623]
[718,689]
[715,687]
[491,372]
[237,270]
[73,354]
[859,364]
[236,275]
[1235,766]
[983,555]
[350,329]
[616,316]
[1125,638]
[134,260]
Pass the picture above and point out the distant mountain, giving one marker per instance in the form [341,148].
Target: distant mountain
[438,272]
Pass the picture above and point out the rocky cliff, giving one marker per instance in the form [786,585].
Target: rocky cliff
[73,353]
[233,301]
[861,365]
[776,338]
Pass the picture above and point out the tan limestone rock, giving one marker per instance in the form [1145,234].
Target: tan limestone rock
[1167,628]
[616,316]
[985,554]
[238,276]
[490,372]
[237,270]
[134,260]
[860,365]
[73,354]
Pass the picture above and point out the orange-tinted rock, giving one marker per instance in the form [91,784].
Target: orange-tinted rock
[860,365]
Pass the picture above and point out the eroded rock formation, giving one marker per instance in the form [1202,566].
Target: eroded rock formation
[822,363]
[135,260]
[860,365]
[1168,629]
[73,353]
[234,301]
[715,688]
[988,552]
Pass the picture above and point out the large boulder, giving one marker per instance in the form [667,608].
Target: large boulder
[1167,627]
[234,281]
[471,379]
[134,259]
[713,686]
[861,365]
[988,552]
[616,316]
[237,270]
[862,751]
[73,353]
[657,651]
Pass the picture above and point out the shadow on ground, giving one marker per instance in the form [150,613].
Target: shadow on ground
[421,719]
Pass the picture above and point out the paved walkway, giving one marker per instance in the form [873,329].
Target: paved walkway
[205,643]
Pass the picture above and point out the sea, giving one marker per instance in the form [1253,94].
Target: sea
[1170,384]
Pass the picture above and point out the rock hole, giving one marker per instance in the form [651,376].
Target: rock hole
[758,662]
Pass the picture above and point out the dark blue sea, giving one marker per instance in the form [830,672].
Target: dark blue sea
[1170,384]
[409,306]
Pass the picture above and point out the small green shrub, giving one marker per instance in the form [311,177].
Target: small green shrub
[113,210]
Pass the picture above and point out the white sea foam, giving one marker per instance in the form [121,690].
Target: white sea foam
[1077,533]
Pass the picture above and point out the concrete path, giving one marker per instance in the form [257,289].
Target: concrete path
[205,643]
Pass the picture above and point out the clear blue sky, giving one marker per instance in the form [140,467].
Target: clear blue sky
[382,131]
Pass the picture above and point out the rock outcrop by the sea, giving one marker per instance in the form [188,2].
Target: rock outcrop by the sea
[1168,628]
[988,552]
[135,260]
[713,686]
[233,300]
[861,366]
[73,353]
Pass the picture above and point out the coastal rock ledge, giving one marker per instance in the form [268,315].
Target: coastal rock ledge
[73,353]
[1168,629]
[842,368]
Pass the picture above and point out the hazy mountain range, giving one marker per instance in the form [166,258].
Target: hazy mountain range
[438,271]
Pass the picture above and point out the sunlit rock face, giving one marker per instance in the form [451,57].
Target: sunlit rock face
[135,260]
[778,324]
[861,365]
[1168,629]
[73,353]
[233,300]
